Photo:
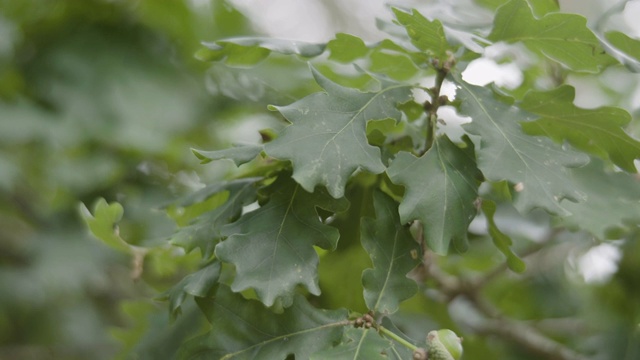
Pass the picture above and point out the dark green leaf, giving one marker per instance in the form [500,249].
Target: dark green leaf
[393,253]
[535,164]
[598,131]
[426,35]
[612,200]
[272,247]
[245,329]
[500,239]
[441,187]
[564,38]
[205,232]
[327,139]
[357,344]
[196,284]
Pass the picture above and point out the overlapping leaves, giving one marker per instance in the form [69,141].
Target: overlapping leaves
[245,329]
[327,141]
[272,247]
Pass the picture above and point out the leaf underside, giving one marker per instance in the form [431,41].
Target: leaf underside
[357,344]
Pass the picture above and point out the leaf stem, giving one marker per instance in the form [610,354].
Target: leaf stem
[397,338]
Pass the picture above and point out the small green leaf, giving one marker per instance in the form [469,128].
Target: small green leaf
[390,246]
[426,35]
[272,247]
[197,284]
[357,344]
[346,48]
[441,187]
[626,49]
[245,329]
[564,38]
[248,51]
[598,131]
[612,201]
[392,60]
[240,154]
[536,165]
[327,138]
[500,239]
[103,223]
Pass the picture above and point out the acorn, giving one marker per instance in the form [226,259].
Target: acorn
[443,344]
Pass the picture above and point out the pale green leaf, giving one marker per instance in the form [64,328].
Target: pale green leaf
[346,48]
[624,48]
[327,138]
[426,35]
[357,344]
[598,131]
[248,51]
[393,253]
[272,247]
[564,38]
[244,329]
[104,223]
[612,201]
[441,187]
[535,165]
[239,155]
[501,240]
[392,60]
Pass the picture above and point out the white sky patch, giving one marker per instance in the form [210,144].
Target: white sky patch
[631,15]
[599,263]
[484,71]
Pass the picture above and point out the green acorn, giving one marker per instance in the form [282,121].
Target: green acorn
[443,344]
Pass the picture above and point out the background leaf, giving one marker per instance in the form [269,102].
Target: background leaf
[390,246]
[501,240]
[441,187]
[272,247]
[245,329]
[248,51]
[425,35]
[598,131]
[507,153]
[239,155]
[103,223]
[564,38]
[327,139]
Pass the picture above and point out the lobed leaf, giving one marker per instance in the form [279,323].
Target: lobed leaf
[564,38]
[598,131]
[346,48]
[441,187]
[248,51]
[426,35]
[327,140]
[357,344]
[612,201]
[244,329]
[537,165]
[197,284]
[390,246]
[272,247]
[103,223]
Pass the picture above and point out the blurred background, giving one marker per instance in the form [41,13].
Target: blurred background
[104,98]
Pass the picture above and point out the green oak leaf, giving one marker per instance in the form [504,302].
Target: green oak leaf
[103,223]
[197,284]
[501,240]
[564,38]
[426,35]
[244,329]
[537,165]
[390,246]
[441,188]
[272,247]
[393,61]
[346,48]
[612,201]
[205,232]
[357,344]
[248,51]
[239,154]
[327,139]
[598,131]
[624,48]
